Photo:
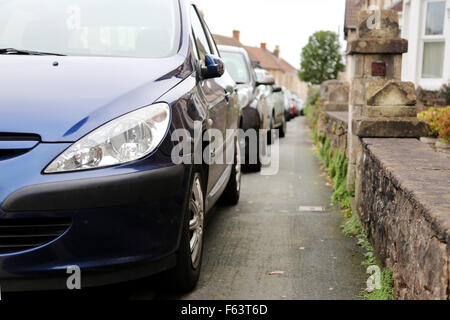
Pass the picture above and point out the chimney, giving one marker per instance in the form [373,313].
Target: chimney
[276,52]
[264,45]
[236,35]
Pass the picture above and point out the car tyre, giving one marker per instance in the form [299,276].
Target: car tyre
[283,129]
[270,133]
[254,167]
[232,192]
[184,276]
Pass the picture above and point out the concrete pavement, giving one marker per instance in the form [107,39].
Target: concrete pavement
[267,232]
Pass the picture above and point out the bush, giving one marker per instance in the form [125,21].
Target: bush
[312,112]
[313,97]
[443,124]
[439,122]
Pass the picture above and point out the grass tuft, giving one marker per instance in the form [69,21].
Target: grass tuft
[336,164]
[387,287]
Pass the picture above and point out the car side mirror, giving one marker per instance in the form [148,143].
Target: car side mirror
[267,80]
[213,68]
[276,89]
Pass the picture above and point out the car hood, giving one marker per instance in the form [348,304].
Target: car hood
[64,98]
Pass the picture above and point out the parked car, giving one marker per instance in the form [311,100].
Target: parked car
[275,105]
[285,97]
[85,145]
[252,105]
[292,104]
[299,107]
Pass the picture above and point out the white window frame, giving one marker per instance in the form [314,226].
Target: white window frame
[431,82]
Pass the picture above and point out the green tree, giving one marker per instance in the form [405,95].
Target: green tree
[321,58]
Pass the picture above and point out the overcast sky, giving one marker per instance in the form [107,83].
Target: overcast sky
[287,23]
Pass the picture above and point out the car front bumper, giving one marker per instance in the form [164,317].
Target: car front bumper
[121,227]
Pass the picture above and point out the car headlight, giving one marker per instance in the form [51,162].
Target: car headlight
[127,138]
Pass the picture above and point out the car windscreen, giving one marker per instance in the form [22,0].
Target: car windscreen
[236,66]
[261,74]
[116,28]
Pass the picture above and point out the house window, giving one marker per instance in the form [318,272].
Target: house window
[433,40]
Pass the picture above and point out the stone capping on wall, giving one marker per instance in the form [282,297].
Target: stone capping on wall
[338,116]
[403,198]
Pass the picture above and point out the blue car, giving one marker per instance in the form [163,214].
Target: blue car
[92,92]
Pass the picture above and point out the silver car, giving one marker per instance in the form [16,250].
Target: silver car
[252,103]
[275,105]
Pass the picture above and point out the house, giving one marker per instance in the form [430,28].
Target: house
[352,8]
[426,26]
[234,41]
[284,73]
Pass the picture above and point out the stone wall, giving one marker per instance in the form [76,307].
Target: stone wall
[403,199]
[402,186]
[334,126]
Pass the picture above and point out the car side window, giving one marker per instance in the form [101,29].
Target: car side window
[200,36]
[194,46]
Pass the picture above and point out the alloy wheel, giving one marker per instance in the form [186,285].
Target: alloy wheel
[196,209]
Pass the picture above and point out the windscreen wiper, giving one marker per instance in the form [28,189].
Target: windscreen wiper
[27,52]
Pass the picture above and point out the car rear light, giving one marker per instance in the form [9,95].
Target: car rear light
[18,235]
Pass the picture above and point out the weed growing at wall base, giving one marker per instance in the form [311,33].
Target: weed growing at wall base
[336,164]
[353,228]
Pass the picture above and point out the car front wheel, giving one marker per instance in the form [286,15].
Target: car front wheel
[283,128]
[232,192]
[184,277]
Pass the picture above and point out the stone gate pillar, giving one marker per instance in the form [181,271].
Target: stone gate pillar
[380,104]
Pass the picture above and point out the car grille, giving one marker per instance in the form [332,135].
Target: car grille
[23,234]
[9,153]
[16,144]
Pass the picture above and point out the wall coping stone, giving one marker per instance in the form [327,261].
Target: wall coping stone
[377,46]
[339,116]
[385,127]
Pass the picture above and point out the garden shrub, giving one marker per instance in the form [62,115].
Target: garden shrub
[313,97]
[443,124]
[439,122]
[312,112]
